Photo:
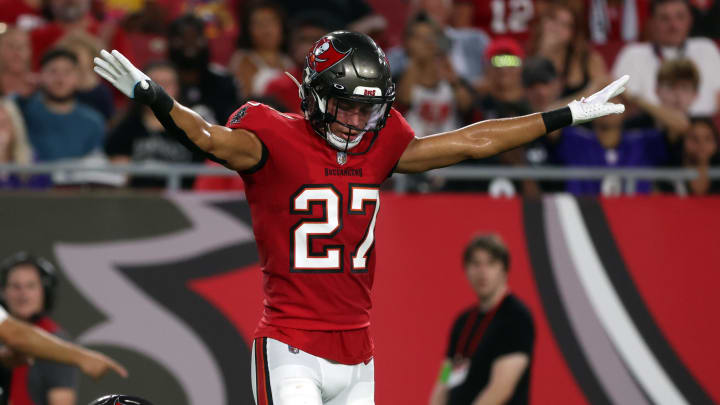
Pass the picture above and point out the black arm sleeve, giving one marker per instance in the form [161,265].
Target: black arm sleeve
[161,104]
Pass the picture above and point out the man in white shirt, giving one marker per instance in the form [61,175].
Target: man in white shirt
[25,339]
[670,24]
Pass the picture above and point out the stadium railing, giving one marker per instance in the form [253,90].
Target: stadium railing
[73,172]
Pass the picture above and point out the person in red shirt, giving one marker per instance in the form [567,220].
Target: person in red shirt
[500,18]
[26,14]
[74,15]
[312,182]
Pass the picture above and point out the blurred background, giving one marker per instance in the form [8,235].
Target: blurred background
[612,225]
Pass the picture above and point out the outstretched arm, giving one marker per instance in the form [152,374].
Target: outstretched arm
[237,149]
[676,121]
[35,342]
[488,138]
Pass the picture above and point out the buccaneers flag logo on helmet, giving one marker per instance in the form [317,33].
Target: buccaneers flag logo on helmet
[324,55]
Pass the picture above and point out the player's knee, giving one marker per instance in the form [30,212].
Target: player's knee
[298,391]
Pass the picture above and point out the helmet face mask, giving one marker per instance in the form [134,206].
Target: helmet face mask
[347,121]
[345,71]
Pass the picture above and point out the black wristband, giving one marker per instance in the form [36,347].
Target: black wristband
[154,97]
[556,119]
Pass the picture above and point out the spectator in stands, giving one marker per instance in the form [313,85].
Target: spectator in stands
[305,29]
[503,96]
[74,15]
[91,90]
[677,88]
[607,144]
[24,14]
[59,127]
[204,88]
[28,286]
[462,14]
[16,76]
[353,15]
[670,25]
[559,37]
[464,46]
[222,25]
[146,28]
[140,138]
[14,146]
[617,21]
[700,152]
[490,348]
[430,91]
[500,18]
[502,93]
[262,54]
[543,89]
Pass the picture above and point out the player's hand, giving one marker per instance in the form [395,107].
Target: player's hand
[115,68]
[97,364]
[597,105]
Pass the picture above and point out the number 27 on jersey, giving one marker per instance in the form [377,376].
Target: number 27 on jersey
[302,234]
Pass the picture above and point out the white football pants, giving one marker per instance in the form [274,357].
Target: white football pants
[284,375]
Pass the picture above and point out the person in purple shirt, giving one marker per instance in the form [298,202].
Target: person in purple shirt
[607,144]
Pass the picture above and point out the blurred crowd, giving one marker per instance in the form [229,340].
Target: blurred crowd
[455,62]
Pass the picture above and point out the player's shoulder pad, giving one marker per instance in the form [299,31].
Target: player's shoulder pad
[396,122]
[252,114]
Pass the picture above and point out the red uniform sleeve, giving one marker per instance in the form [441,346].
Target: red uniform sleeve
[252,116]
[262,121]
[400,132]
[406,132]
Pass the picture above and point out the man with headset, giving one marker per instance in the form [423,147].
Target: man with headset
[27,286]
[22,338]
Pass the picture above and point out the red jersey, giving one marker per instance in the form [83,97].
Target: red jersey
[505,18]
[47,36]
[13,11]
[314,211]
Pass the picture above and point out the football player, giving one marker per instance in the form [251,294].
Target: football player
[312,182]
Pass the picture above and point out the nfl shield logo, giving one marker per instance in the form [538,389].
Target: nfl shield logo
[341,158]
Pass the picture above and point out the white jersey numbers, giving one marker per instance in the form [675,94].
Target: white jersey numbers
[360,197]
[302,234]
[511,17]
[325,227]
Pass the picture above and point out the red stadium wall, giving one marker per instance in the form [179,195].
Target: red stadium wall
[170,285]
[420,288]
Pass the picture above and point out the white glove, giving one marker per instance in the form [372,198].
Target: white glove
[596,106]
[115,68]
